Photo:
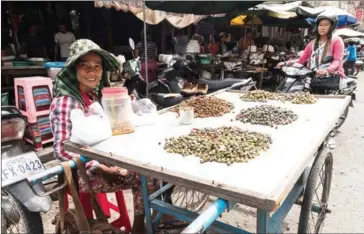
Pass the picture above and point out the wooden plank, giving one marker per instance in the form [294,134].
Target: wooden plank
[262,182]
[176,178]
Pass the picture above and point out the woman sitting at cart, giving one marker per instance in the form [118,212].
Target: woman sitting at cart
[77,86]
[323,45]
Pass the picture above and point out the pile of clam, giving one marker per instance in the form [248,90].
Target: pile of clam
[300,98]
[267,115]
[264,96]
[259,96]
[223,145]
[205,107]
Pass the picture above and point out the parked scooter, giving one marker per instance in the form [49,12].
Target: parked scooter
[298,79]
[21,203]
[165,91]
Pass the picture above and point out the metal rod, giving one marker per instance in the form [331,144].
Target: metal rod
[160,191]
[148,216]
[145,50]
[49,173]
[207,217]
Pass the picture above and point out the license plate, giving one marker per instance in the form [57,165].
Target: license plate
[19,167]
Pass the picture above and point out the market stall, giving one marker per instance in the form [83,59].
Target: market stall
[271,182]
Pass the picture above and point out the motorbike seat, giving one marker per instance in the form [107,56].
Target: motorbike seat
[220,84]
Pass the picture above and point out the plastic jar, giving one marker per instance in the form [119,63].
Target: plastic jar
[117,107]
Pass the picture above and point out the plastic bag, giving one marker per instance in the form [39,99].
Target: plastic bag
[145,112]
[90,128]
[144,107]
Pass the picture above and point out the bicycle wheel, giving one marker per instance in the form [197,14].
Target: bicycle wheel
[315,199]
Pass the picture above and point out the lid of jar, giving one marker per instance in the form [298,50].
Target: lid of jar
[111,91]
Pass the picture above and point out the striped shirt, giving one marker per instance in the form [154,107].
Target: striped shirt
[61,126]
[151,47]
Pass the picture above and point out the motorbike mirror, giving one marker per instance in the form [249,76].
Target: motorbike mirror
[131,43]
[327,59]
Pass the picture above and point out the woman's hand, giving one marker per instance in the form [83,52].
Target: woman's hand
[113,170]
[321,72]
[132,97]
[279,65]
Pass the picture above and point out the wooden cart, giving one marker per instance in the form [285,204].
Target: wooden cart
[287,174]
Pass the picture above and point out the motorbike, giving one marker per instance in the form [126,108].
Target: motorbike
[298,79]
[21,203]
[359,65]
[166,90]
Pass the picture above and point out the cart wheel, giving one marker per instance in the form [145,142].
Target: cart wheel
[188,199]
[342,118]
[316,195]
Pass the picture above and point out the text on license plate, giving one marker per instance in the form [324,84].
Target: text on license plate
[20,166]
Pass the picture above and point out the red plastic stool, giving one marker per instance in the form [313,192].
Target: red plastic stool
[122,221]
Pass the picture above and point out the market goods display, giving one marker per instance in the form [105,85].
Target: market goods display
[205,107]
[300,98]
[224,145]
[259,96]
[267,115]
[264,96]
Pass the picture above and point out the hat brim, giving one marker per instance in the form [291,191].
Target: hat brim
[110,61]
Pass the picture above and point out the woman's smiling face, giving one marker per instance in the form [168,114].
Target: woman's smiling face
[89,71]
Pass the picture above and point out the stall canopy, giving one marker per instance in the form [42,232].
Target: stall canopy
[348,33]
[152,17]
[272,14]
[201,7]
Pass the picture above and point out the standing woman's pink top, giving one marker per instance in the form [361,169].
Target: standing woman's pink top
[336,50]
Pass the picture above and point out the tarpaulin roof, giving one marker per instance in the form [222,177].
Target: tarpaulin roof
[201,7]
[151,16]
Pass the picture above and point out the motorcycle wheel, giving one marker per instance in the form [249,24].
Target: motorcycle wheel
[18,219]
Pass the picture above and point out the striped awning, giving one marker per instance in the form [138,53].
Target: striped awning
[152,17]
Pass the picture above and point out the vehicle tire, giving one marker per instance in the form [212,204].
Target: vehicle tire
[323,162]
[342,118]
[11,210]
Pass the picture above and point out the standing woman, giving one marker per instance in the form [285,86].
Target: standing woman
[78,86]
[151,60]
[323,45]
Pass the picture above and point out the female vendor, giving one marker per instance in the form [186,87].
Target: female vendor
[77,86]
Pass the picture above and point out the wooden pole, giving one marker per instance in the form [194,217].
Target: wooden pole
[13,31]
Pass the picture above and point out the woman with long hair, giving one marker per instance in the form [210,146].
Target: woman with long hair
[323,45]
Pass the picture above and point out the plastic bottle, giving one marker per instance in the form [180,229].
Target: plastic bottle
[117,107]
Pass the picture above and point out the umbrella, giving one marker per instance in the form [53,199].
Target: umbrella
[344,18]
[262,19]
[201,7]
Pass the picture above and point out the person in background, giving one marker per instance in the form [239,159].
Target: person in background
[350,63]
[213,46]
[181,41]
[78,86]
[151,60]
[223,38]
[246,41]
[63,39]
[324,44]
[33,43]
